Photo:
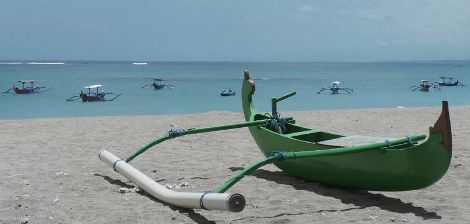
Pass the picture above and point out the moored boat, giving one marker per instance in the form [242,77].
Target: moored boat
[228,92]
[27,89]
[157,85]
[94,96]
[423,86]
[449,81]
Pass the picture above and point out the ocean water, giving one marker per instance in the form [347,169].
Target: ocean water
[198,84]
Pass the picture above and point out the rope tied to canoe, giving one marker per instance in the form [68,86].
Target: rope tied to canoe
[409,140]
[389,145]
[176,133]
[275,122]
[282,155]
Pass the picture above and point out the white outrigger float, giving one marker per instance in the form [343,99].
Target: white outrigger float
[204,200]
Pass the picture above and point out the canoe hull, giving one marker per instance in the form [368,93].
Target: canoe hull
[410,168]
[407,167]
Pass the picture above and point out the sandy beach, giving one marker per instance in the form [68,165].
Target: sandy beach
[50,172]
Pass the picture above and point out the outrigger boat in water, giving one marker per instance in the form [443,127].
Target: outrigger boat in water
[93,96]
[228,92]
[27,89]
[449,81]
[335,89]
[423,86]
[157,85]
[355,162]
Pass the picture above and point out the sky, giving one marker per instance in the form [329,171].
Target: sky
[236,30]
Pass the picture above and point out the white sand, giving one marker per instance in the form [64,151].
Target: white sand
[50,172]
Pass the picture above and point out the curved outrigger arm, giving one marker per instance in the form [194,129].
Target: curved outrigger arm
[115,96]
[282,156]
[207,200]
[177,133]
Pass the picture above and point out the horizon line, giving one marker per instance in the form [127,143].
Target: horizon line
[225,61]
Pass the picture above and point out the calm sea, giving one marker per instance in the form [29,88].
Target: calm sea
[198,84]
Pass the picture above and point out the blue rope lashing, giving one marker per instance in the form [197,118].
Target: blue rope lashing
[282,155]
[389,145]
[267,123]
[176,133]
[409,140]
[201,200]
[283,125]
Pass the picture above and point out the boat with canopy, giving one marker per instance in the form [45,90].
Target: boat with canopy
[31,88]
[94,94]
[449,81]
[354,162]
[335,88]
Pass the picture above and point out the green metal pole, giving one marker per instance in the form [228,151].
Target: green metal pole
[281,156]
[273,105]
[285,96]
[174,134]
[274,101]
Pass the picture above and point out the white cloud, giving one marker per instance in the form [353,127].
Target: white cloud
[307,9]
[361,14]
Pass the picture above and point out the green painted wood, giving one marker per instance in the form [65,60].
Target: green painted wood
[191,131]
[286,156]
[403,167]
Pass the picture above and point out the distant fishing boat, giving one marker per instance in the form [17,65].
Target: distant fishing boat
[335,89]
[449,81]
[139,63]
[423,86]
[228,92]
[27,89]
[93,96]
[157,85]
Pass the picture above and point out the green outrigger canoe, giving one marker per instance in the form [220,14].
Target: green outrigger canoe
[402,166]
[357,162]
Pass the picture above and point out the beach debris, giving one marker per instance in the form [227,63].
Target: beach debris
[125,190]
[14,175]
[177,186]
[62,174]
[24,220]
[56,199]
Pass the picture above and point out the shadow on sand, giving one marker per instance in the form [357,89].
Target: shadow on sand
[360,198]
[196,217]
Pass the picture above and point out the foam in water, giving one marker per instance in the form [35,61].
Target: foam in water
[46,63]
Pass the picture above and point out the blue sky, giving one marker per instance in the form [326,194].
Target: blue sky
[241,30]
